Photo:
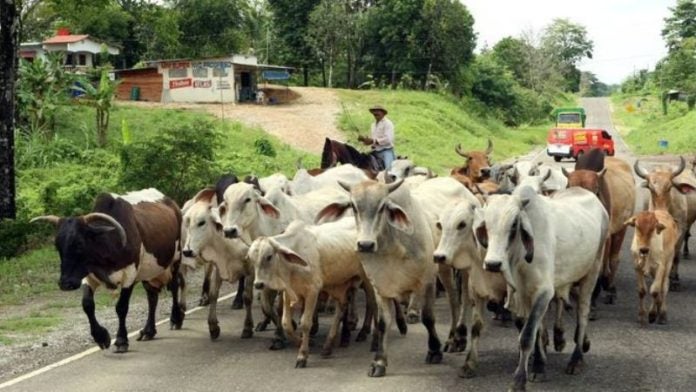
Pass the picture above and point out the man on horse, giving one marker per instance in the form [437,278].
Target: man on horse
[382,138]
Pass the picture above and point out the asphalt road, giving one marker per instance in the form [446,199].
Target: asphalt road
[623,356]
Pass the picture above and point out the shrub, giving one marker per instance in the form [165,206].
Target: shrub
[178,162]
[264,147]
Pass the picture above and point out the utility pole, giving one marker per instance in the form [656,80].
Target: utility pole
[9,43]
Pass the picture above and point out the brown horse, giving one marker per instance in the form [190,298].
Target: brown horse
[336,152]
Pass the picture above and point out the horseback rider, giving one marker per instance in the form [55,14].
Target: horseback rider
[382,138]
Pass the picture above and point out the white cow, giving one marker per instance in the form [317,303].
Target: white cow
[303,182]
[545,246]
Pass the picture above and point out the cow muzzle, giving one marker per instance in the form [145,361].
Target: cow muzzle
[644,251]
[259,285]
[231,232]
[439,258]
[367,246]
[485,172]
[69,284]
[493,266]
[188,253]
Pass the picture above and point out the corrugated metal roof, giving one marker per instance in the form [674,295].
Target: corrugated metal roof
[66,39]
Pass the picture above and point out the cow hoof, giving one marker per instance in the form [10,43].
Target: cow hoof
[362,336]
[312,331]
[177,319]
[377,370]
[466,371]
[455,345]
[260,327]
[301,364]
[326,352]
[147,334]
[121,345]
[674,285]
[101,337]
[247,333]
[586,344]
[574,367]
[652,316]
[433,357]
[558,343]
[537,377]
[402,326]
[278,344]
[662,319]
[204,301]
[411,318]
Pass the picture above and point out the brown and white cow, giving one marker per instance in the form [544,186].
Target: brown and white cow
[612,181]
[653,248]
[667,192]
[124,240]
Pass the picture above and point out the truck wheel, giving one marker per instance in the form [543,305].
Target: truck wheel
[557,158]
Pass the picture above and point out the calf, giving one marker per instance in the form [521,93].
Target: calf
[395,244]
[202,234]
[653,249]
[303,261]
[529,238]
[124,240]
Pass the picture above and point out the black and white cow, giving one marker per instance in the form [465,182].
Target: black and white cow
[124,240]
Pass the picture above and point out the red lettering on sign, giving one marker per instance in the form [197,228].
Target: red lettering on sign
[179,83]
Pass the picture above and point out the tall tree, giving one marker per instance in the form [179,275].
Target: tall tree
[9,45]
[567,43]
[680,25]
[512,54]
[327,32]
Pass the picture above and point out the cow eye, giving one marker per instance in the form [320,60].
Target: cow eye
[268,258]
[461,225]
[248,199]
[439,226]
[201,223]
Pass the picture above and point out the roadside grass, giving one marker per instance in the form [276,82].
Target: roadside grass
[643,125]
[429,126]
[19,328]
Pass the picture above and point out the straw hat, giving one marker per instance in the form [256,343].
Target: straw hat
[378,107]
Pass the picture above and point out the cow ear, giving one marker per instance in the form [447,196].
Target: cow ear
[644,184]
[215,217]
[398,218]
[481,234]
[631,222]
[288,254]
[268,208]
[344,185]
[527,236]
[660,227]
[684,187]
[331,212]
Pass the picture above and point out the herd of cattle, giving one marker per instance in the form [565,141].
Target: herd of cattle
[513,238]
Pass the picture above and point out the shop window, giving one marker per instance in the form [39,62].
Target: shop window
[178,73]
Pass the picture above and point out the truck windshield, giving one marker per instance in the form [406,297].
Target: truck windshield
[569,118]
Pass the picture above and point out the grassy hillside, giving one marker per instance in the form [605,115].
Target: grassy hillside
[428,126]
[640,121]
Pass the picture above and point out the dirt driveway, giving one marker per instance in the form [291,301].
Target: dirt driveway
[303,123]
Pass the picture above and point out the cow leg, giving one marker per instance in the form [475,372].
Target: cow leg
[642,291]
[582,343]
[352,315]
[286,320]
[468,370]
[434,355]
[656,292]
[674,284]
[370,308]
[205,301]
[401,323]
[267,299]
[176,286]
[445,273]
[238,301]
[345,319]
[616,240]
[457,339]
[213,294]
[528,337]
[122,312]
[149,332]
[99,334]
[378,368]
[248,296]
[685,253]
[413,306]
[559,341]
[310,305]
[339,313]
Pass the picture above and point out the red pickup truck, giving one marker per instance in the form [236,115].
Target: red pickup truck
[571,143]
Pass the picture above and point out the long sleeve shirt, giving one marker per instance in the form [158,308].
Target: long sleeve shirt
[383,134]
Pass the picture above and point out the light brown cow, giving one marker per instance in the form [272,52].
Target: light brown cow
[667,192]
[615,187]
[653,250]
[477,166]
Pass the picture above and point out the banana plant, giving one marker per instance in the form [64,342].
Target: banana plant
[101,97]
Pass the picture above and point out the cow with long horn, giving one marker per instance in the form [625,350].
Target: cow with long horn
[126,239]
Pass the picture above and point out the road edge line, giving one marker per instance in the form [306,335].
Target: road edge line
[90,351]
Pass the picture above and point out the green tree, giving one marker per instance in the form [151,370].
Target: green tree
[101,97]
[567,43]
[680,25]
[512,53]
[678,69]
[327,33]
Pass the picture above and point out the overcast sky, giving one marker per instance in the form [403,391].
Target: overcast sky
[626,33]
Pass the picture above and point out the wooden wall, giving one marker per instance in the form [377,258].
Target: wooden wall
[149,81]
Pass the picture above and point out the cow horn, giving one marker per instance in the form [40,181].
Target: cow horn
[458,149]
[489,150]
[394,185]
[533,170]
[639,170]
[565,172]
[94,216]
[547,176]
[680,169]
[49,218]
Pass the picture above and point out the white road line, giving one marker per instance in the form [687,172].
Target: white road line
[90,351]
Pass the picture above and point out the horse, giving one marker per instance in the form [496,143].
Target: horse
[336,152]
